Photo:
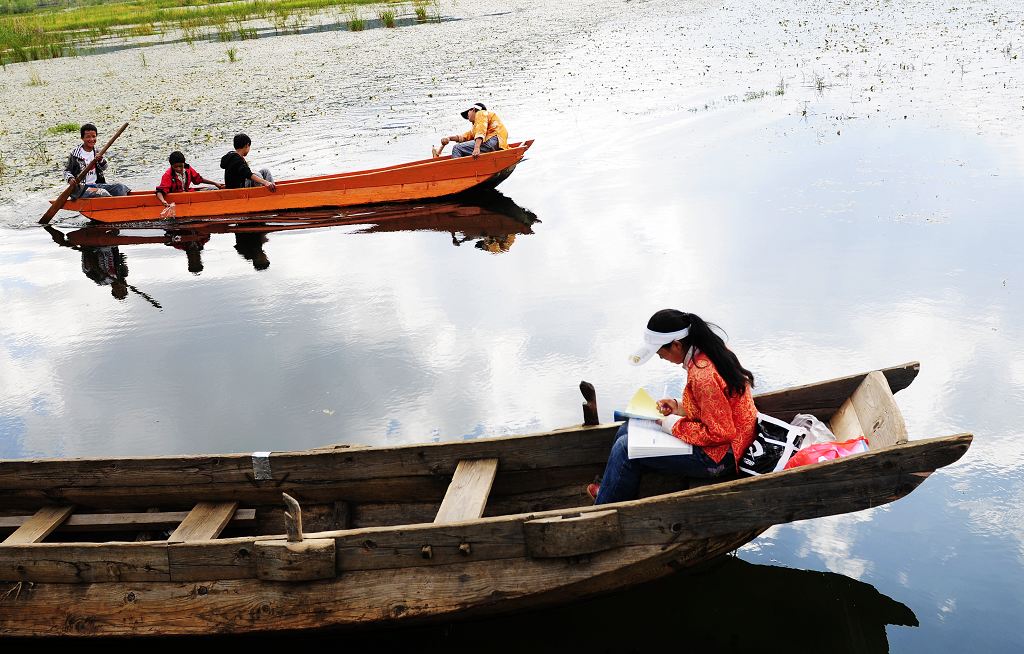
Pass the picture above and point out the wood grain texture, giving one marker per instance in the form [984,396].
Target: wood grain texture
[100,522]
[305,560]
[844,423]
[822,399]
[572,535]
[204,522]
[467,494]
[84,563]
[880,418]
[39,526]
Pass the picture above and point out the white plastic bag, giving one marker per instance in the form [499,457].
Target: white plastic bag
[817,431]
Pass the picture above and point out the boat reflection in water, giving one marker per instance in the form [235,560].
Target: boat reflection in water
[491,221]
[730,605]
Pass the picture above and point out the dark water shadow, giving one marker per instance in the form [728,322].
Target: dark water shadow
[729,606]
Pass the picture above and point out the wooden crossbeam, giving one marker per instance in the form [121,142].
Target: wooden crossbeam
[467,494]
[88,522]
[871,411]
[39,526]
[204,522]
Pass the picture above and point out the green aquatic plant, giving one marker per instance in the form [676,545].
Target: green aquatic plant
[34,79]
[145,64]
[421,11]
[387,17]
[63,128]
[232,54]
[355,23]
[781,88]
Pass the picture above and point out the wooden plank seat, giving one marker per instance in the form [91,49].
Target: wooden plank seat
[871,411]
[39,526]
[204,522]
[467,494]
[103,522]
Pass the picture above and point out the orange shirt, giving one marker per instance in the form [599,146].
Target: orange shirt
[486,125]
[714,420]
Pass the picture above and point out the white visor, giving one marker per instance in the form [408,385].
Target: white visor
[653,341]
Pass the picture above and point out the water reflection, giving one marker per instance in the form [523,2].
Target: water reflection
[731,606]
[491,222]
[104,263]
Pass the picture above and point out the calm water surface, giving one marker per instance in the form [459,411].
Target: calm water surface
[862,213]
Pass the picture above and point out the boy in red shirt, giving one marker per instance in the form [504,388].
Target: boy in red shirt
[179,178]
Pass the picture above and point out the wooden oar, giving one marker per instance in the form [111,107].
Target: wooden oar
[58,204]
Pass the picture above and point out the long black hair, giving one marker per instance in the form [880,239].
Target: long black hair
[707,341]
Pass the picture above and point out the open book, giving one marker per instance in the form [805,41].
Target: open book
[642,406]
[644,435]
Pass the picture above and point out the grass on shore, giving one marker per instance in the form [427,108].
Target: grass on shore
[29,32]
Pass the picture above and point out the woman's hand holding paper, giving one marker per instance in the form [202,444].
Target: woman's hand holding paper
[668,406]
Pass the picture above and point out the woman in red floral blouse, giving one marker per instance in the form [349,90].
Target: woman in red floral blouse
[716,415]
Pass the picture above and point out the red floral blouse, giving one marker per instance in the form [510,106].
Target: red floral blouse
[714,420]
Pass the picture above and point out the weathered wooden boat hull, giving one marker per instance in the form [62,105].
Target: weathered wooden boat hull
[417,180]
[541,543]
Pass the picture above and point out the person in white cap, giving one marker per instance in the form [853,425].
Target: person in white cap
[716,414]
[487,134]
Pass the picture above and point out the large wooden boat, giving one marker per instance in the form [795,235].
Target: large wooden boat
[412,533]
[416,180]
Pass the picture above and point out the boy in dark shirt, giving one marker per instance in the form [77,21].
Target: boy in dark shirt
[236,171]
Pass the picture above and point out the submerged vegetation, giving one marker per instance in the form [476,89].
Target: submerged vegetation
[32,29]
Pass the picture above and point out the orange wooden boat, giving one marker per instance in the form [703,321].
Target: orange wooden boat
[416,180]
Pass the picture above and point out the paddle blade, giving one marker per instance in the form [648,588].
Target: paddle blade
[56,205]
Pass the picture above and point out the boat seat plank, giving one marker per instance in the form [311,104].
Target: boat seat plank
[879,416]
[870,411]
[204,522]
[88,522]
[467,494]
[844,423]
[39,526]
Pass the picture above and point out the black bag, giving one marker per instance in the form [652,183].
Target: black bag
[774,442]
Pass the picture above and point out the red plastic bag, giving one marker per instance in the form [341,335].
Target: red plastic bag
[826,451]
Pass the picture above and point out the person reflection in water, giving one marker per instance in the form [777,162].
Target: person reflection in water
[496,244]
[191,243]
[105,265]
[493,244]
[250,246]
